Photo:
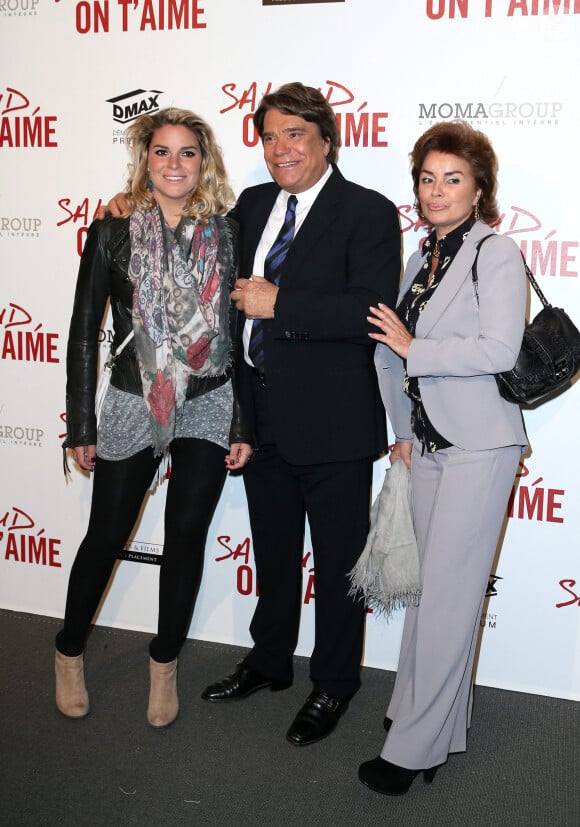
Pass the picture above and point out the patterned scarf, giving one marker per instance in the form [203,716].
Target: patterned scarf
[179,318]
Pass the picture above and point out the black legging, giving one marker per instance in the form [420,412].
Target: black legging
[197,476]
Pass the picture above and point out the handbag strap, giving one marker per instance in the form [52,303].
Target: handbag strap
[529,274]
[113,355]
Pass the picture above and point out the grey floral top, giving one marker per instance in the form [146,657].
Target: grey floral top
[409,310]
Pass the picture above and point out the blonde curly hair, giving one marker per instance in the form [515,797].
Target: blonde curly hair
[213,194]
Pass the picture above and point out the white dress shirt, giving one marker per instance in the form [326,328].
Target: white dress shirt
[305,201]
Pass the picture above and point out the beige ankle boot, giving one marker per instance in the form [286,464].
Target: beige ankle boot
[71,693]
[163,702]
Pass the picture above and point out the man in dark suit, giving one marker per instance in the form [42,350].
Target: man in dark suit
[306,379]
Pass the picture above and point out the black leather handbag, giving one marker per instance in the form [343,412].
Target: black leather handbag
[550,354]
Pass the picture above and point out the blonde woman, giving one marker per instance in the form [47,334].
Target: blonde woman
[167,269]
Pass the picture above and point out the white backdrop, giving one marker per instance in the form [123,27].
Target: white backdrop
[75,73]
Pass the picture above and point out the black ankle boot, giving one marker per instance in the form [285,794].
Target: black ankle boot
[389,779]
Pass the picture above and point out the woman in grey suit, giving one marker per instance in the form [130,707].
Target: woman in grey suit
[436,360]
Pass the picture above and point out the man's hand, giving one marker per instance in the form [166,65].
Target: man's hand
[117,206]
[255,297]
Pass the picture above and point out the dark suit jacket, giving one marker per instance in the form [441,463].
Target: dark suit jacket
[321,382]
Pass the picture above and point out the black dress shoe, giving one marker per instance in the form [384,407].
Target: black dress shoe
[317,718]
[389,779]
[241,684]
[387,723]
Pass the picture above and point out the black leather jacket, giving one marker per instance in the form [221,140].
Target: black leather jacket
[103,275]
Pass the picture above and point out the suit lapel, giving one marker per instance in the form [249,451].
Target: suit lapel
[459,271]
[254,225]
[321,215]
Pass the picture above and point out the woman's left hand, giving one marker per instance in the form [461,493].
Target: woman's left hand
[394,333]
[85,456]
[240,453]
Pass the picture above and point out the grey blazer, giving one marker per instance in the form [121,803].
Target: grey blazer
[460,344]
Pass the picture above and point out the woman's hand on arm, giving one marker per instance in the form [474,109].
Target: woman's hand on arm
[402,450]
[85,456]
[393,333]
[240,453]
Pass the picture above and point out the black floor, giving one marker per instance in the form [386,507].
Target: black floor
[221,765]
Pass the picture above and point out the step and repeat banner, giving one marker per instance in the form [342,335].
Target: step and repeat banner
[76,74]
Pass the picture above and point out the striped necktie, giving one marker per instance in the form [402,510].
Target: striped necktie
[272,272]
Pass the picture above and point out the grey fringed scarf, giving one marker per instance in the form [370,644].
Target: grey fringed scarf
[387,574]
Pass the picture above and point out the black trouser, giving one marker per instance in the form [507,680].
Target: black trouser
[335,496]
[197,476]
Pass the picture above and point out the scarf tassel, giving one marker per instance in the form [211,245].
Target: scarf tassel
[387,573]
